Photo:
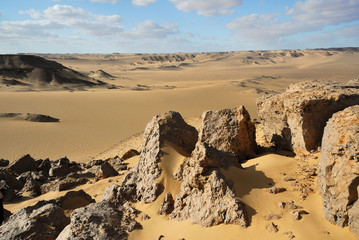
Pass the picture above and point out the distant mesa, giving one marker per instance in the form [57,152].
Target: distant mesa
[29,117]
[35,70]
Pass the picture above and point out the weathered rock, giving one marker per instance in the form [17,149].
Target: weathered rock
[102,220]
[43,221]
[73,200]
[338,168]
[4,163]
[130,153]
[275,190]
[272,228]
[62,167]
[167,205]
[106,170]
[38,176]
[31,187]
[272,217]
[230,131]
[11,180]
[168,127]
[295,119]
[23,164]
[205,197]
[61,185]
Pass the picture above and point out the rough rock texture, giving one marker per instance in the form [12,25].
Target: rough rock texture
[24,164]
[205,197]
[130,153]
[295,119]
[230,131]
[338,169]
[167,204]
[168,127]
[44,221]
[106,170]
[102,220]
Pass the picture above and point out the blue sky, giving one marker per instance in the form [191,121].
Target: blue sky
[153,26]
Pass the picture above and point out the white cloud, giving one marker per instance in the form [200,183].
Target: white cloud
[142,2]
[64,12]
[33,13]
[305,17]
[106,1]
[150,29]
[207,8]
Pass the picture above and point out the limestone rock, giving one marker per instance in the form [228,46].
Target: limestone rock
[102,220]
[62,167]
[338,168]
[230,131]
[32,187]
[168,127]
[130,153]
[23,164]
[272,228]
[205,197]
[295,119]
[167,205]
[43,221]
[106,170]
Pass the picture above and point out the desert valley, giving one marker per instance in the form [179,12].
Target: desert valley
[218,145]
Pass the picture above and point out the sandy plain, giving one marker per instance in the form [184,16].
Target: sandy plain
[101,122]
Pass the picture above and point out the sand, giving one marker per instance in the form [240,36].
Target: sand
[100,123]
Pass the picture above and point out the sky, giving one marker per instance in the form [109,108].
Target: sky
[166,26]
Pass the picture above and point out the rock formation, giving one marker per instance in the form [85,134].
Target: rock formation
[295,119]
[37,70]
[205,197]
[45,220]
[167,127]
[338,168]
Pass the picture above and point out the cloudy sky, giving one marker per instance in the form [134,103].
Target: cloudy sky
[106,26]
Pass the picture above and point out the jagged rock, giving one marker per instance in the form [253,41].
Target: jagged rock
[11,180]
[106,170]
[205,197]
[44,221]
[338,168]
[272,228]
[230,131]
[4,163]
[295,119]
[145,217]
[44,166]
[38,176]
[272,217]
[296,215]
[168,127]
[130,153]
[102,220]
[31,187]
[62,167]
[23,164]
[61,185]
[167,205]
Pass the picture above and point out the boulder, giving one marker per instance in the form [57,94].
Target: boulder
[130,153]
[4,163]
[295,119]
[168,127]
[23,164]
[106,170]
[61,185]
[44,221]
[102,220]
[73,200]
[62,167]
[31,187]
[230,131]
[338,169]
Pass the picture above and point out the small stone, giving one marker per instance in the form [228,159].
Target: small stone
[281,205]
[272,228]
[296,215]
[275,190]
[288,179]
[160,237]
[145,217]
[272,217]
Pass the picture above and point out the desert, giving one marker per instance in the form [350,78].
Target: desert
[180,146]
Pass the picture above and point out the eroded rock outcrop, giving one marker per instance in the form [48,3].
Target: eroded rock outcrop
[167,127]
[338,169]
[226,137]
[230,131]
[295,119]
